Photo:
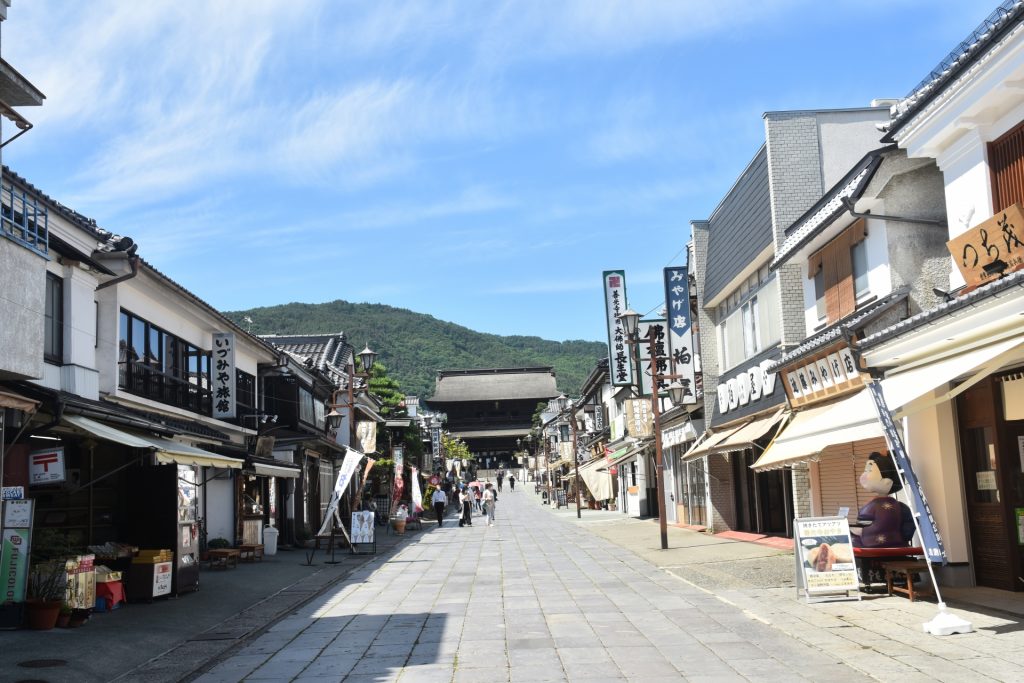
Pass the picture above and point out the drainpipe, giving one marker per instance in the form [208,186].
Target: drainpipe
[849,203]
[133,262]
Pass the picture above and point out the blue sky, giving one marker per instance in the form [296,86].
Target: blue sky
[481,162]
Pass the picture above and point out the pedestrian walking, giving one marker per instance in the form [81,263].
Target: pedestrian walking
[501,478]
[490,502]
[440,500]
[466,498]
[512,482]
[478,500]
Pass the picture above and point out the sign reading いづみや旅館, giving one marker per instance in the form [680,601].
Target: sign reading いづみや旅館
[824,557]
[992,248]
[223,375]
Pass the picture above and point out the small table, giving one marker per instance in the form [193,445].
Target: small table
[905,569]
[251,552]
[224,558]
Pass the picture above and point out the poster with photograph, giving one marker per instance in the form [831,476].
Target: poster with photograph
[825,555]
[362,527]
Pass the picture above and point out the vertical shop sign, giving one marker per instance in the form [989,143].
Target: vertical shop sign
[366,432]
[680,332]
[659,362]
[620,365]
[930,538]
[14,549]
[348,468]
[224,375]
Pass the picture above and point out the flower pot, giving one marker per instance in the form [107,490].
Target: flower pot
[398,525]
[62,620]
[41,615]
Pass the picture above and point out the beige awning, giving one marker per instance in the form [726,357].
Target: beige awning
[597,480]
[811,431]
[9,399]
[182,454]
[275,471]
[106,432]
[745,436]
[904,387]
[709,443]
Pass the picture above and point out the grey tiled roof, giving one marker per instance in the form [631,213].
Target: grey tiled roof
[1005,18]
[494,385]
[947,308]
[830,206]
[841,329]
[329,353]
[106,240]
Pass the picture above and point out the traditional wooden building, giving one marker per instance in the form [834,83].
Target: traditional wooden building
[491,409]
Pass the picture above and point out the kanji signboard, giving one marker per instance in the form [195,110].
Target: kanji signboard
[223,375]
[680,335]
[620,365]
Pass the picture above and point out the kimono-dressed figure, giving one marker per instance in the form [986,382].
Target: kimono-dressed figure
[885,522]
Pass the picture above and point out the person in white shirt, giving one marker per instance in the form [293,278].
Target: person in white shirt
[490,501]
[466,498]
[440,500]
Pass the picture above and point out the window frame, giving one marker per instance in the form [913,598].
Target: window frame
[53,320]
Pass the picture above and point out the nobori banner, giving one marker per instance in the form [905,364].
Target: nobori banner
[680,336]
[620,365]
[223,375]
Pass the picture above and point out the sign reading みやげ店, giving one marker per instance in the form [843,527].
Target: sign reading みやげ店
[825,375]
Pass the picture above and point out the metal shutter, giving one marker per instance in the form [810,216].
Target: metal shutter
[839,470]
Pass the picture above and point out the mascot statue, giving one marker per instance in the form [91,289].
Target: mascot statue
[885,522]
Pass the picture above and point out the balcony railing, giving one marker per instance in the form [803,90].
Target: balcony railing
[138,378]
[24,219]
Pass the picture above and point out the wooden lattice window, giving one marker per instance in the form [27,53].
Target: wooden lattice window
[1006,163]
[835,262]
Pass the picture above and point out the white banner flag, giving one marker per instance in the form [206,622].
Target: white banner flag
[417,495]
[348,466]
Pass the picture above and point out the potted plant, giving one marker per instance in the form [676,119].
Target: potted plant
[64,616]
[217,543]
[46,592]
[398,521]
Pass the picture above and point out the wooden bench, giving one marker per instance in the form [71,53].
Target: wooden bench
[224,558]
[905,569]
[250,552]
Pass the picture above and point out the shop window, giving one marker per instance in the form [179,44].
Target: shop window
[160,366]
[1006,163]
[245,390]
[749,320]
[53,339]
[306,411]
[819,296]
[842,268]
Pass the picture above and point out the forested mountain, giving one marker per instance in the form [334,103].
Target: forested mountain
[414,346]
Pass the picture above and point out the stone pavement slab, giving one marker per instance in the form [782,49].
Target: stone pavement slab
[534,598]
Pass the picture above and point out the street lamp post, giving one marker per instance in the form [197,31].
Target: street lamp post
[630,323]
[334,418]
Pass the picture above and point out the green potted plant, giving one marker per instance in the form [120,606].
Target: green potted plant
[64,616]
[216,543]
[46,592]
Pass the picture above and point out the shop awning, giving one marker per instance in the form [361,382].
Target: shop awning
[900,389]
[597,479]
[745,436]
[275,470]
[168,451]
[624,455]
[811,431]
[709,444]
[106,432]
[9,399]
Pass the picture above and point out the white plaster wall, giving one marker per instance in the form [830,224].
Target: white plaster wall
[933,444]
[21,326]
[220,505]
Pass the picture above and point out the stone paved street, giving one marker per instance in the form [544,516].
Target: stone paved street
[535,598]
